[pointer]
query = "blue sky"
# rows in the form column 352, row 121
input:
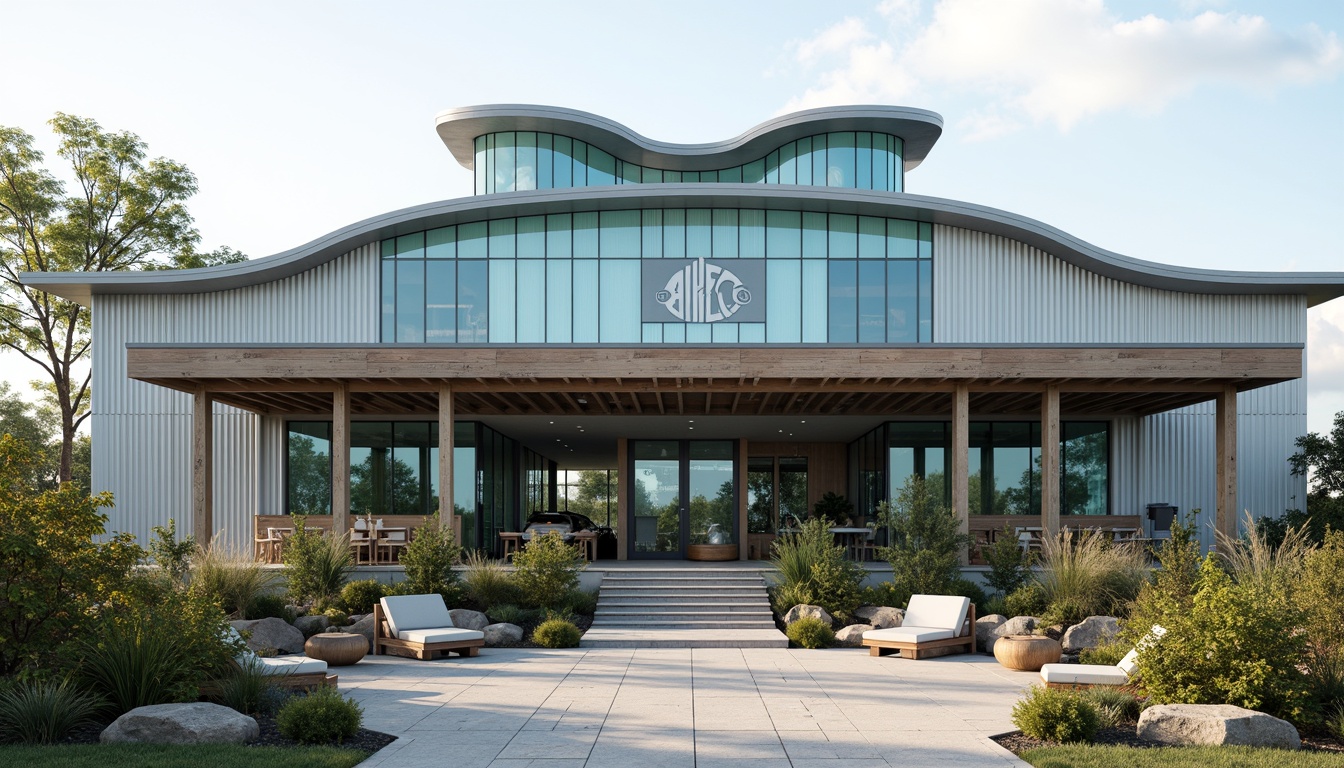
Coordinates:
column 1200, row 133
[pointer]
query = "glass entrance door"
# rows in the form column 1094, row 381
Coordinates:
column 682, row 492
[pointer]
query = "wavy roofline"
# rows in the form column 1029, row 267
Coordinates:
column 1318, row 287
column 459, row 127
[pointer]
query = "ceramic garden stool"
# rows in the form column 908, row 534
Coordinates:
column 1027, row 653
column 338, row 649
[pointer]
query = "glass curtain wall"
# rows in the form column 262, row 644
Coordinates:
column 576, row 278
column 512, row 161
column 308, row 468
column 776, row 492
column 592, row 493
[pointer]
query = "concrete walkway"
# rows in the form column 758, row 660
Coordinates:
column 686, row 708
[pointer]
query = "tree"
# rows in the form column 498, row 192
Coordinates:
column 1321, row 458
column 127, row 213
column 926, row 541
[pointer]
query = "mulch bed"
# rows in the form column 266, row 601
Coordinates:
column 364, row 739
column 1125, row 736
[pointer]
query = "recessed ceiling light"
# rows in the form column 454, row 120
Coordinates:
column 582, row 401
column 552, row 422
column 804, row 421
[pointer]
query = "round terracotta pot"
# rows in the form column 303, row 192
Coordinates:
column 338, row 649
column 1027, row 653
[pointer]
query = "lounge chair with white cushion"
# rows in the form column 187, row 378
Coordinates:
column 933, row 624
column 289, row 671
column 419, row 626
column 1076, row 676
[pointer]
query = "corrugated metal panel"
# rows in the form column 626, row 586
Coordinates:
column 1125, row 454
column 142, row 446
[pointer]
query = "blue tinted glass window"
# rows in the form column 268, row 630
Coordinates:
column 751, row 333
column 620, row 301
column 472, row 302
column 579, row 153
column 651, row 176
column 772, row 168
column 723, row 333
column 698, row 227
column 480, row 166
column 563, row 168
column 788, row 163
column 751, row 234
column 559, row 236
column 925, row 301
column 699, row 333
column 619, row 235
column 674, row 234
column 814, row 302
column 441, row 243
column 389, row 248
column 531, row 301
column 389, row 300
column 863, row 160
column 532, row 237
column 411, row 301
column 754, row 172
column 897, row 169
column 585, row 301
column 441, row 302
column 411, row 246
column 651, row 234
column 503, row 320
column 585, row 235
column 527, row 161
column 505, row 168
column 727, row 176
column 814, row 236
column 630, row 173
column 872, row 237
column 783, row 307
column 471, row 242
column 872, row 302
column 881, row 159
column 545, row 162
column 844, row 236
column 819, row 160
column 840, row 160
column 725, row 234
column 783, row 234
column 674, row 333
column 653, row 333
column 925, row 241
column 902, row 302
column 503, row 238
column 843, row 302
column 902, row 239
column 804, row 163
column 601, row 168
column 559, row 301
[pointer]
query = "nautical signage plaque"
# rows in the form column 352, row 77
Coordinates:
column 703, row 291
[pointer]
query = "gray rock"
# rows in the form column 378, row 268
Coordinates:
column 1215, row 724
column 363, row 627
column 1090, row 633
column 1018, row 625
column 852, row 635
column 197, row 723
column 271, row 636
column 465, row 619
column 311, row 625
column 502, row 634
column 880, row 616
column 985, row 631
column 807, row 611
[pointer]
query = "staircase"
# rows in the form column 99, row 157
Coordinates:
column 683, row 608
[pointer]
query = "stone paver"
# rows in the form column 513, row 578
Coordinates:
column 687, row 708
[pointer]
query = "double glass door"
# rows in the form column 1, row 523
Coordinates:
column 682, row 492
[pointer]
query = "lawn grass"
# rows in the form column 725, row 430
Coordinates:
column 195, row 756
column 1092, row 756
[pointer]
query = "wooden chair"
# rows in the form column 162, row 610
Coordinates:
column 511, row 542
column 933, row 626
column 587, row 542
column 419, row 626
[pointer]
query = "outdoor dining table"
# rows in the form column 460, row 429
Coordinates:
column 853, row 540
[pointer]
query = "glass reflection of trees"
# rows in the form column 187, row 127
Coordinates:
column 309, row 475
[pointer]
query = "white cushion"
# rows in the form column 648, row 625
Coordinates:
column 415, row 612
column 292, row 665
column 440, row 635
column 1130, row 664
column 906, row 634
column 1083, row 674
column 937, row 611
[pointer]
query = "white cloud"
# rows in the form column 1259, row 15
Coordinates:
column 1325, row 347
column 1058, row 61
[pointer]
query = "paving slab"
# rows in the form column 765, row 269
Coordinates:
column 687, row 708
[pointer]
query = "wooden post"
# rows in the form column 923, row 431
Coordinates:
column 446, row 442
column 742, row 544
column 961, row 475
column 202, row 467
column 623, row 481
column 1225, row 520
column 1050, row 461
column 340, row 458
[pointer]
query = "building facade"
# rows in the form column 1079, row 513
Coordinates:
column 735, row 328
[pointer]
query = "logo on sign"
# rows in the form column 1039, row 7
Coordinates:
column 703, row 293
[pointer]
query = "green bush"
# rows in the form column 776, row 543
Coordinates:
column 320, row 717
column 1009, row 565
column 268, row 605
column 1027, row 600
column 885, row 593
column 1319, row 594
column 1114, row 706
column 967, row 588
column 317, row 564
column 361, row 596
column 1334, row 723
column 487, row 582
column 248, row 689
column 52, row 565
column 926, row 540
column 557, row 633
column 810, row 568
column 810, row 633
column 428, row 561
column 171, row 555
column 336, row 617
column 1056, row 715
column 1108, row 654
column 1084, row 574
column 547, row 570
column 43, row 712
column 833, row 509
column 579, row 602
column 234, row 579
column 513, row 614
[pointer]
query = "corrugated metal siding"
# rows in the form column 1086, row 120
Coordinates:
column 142, row 445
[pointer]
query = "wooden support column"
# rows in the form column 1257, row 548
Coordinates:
column 743, row 549
column 340, row 458
column 202, row 467
column 623, row 479
column 1225, row 520
column 446, row 443
column 961, row 480
column 1050, row 461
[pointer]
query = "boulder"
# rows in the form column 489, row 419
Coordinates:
column 880, row 616
column 1215, row 724
column 1090, row 633
column 465, row 619
column 1018, row 625
column 311, row 625
column 271, row 636
column 807, row 611
column 852, row 635
column 364, row 626
column 196, row 723
column 502, row 634
column 985, row 634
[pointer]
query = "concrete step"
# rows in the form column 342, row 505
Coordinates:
column 684, row 583
column 712, row 624
column 685, row 605
column 724, row 609
column 727, row 596
column 757, row 614
column 683, row 638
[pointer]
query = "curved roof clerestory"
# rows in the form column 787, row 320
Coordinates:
column 459, row 127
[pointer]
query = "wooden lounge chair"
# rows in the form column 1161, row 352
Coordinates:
column 292, row 672
column 933, row 626
column 1079, row 676
column 419, row 626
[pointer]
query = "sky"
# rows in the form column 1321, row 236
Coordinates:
column 1207, row 134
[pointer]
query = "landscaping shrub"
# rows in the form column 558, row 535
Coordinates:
column 336, row 617
column 173, row 556
column 1027, row 600
column 926, row 540
column 1114, row 706
column 248, row 689
column 43, row 712
column 361, row 596
column 1009, row 565
column 320, row 717
column 557, row 633
column 1056, row 715
column 810, row 633
column 513, row 614
column 967, row 588
column 1319, row 595
column 885, row 593
column 812, row 569
column 580, row 602
column 488, row 582
column 52, row 568
column 1107, row 653
column 547, row 570
column 428, row 561
column 316, row 564
column 269, row 606
column 1084, row 574
column 1171, row 591
column 833, row 509
column 234, row 579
